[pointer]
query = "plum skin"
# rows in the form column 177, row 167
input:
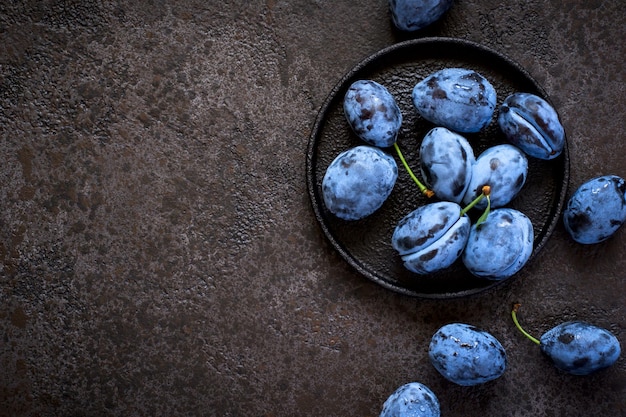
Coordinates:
column 358, row 181
column 500, row 246
column 459, row 99
column 596, row 210
column 580, row 348
column 431, row 237
column 413, row 15
column 372, row 113
column 466, row 355
column 413, row 399
column 446, row 162
column 504, row 168
column 532, row 124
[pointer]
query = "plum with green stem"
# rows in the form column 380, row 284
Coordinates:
column 500, row 246
column 432, row 237
column 446, row 163
column 576, row 347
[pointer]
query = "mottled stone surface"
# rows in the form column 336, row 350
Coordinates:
column 158, row 252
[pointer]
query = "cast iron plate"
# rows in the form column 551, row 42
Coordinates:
column 365, row 244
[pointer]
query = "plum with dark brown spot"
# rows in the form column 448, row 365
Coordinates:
column 459, row 99
column 372, row 113
column 576, row 347
column 596, row 210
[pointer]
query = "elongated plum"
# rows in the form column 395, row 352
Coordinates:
column 457, row 98
column 580, row 348
column 596, row 210
column 532, row 124
column 500, row 246
column 504, row 168
column 431, row 237
column 372, row 113
column 446, row 163
column 358, row 181
column 466, row 355
column 413, row 15
column 575, row 347
column 411, row 400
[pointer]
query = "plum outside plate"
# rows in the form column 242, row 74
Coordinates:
column 366, row 244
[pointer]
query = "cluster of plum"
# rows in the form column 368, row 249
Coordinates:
column 432, row 237
column 469, row 356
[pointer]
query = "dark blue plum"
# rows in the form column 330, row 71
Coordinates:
column 413, row 15
column 500, row 246
column 431, row 237
column 580, row 348
column 596, row 210
column 504, row 168
column 446, row 163
column 372, row 113
column 358, row 181
column 466, row 355
column 457, row 98
column 411, row 400
column 531, row 123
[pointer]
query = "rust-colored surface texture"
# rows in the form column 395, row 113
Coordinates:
column 159, row 254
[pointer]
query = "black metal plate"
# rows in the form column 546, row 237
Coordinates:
column 366, row 244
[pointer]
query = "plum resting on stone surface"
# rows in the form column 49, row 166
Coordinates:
column 457, row 98
column 412, row 15
column 411, row 400
column 580, row 348
column 504, row 168
column 596, row 209
column 576, row 347
column 358, row 181
column 446, row 163
column 500, row 246
column 466, row 355
column 531, row 123
column 372, row 113
column 431, row 237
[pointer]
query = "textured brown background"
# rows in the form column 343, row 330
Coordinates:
column 159, row 255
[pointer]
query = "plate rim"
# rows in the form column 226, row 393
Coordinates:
column 314, row 196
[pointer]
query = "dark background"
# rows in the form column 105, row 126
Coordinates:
column 159, row 254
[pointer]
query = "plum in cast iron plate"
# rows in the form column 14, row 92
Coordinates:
column 366, row 244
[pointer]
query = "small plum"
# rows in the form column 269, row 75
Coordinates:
column 446, row 162
column 372, row 113
column 576, row 347
column 413, row 399
column 431, row 237
column 500, row 246
column 466, row 355
column 504, row 168
column 358, row 181
column 457, row 98
column 413, row 15
column 596, row 210
column 532, row 124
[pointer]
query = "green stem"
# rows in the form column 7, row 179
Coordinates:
column 422, row 187
column 514, row 315
column 472, row 204
column 483, row 216
column 486, row 191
